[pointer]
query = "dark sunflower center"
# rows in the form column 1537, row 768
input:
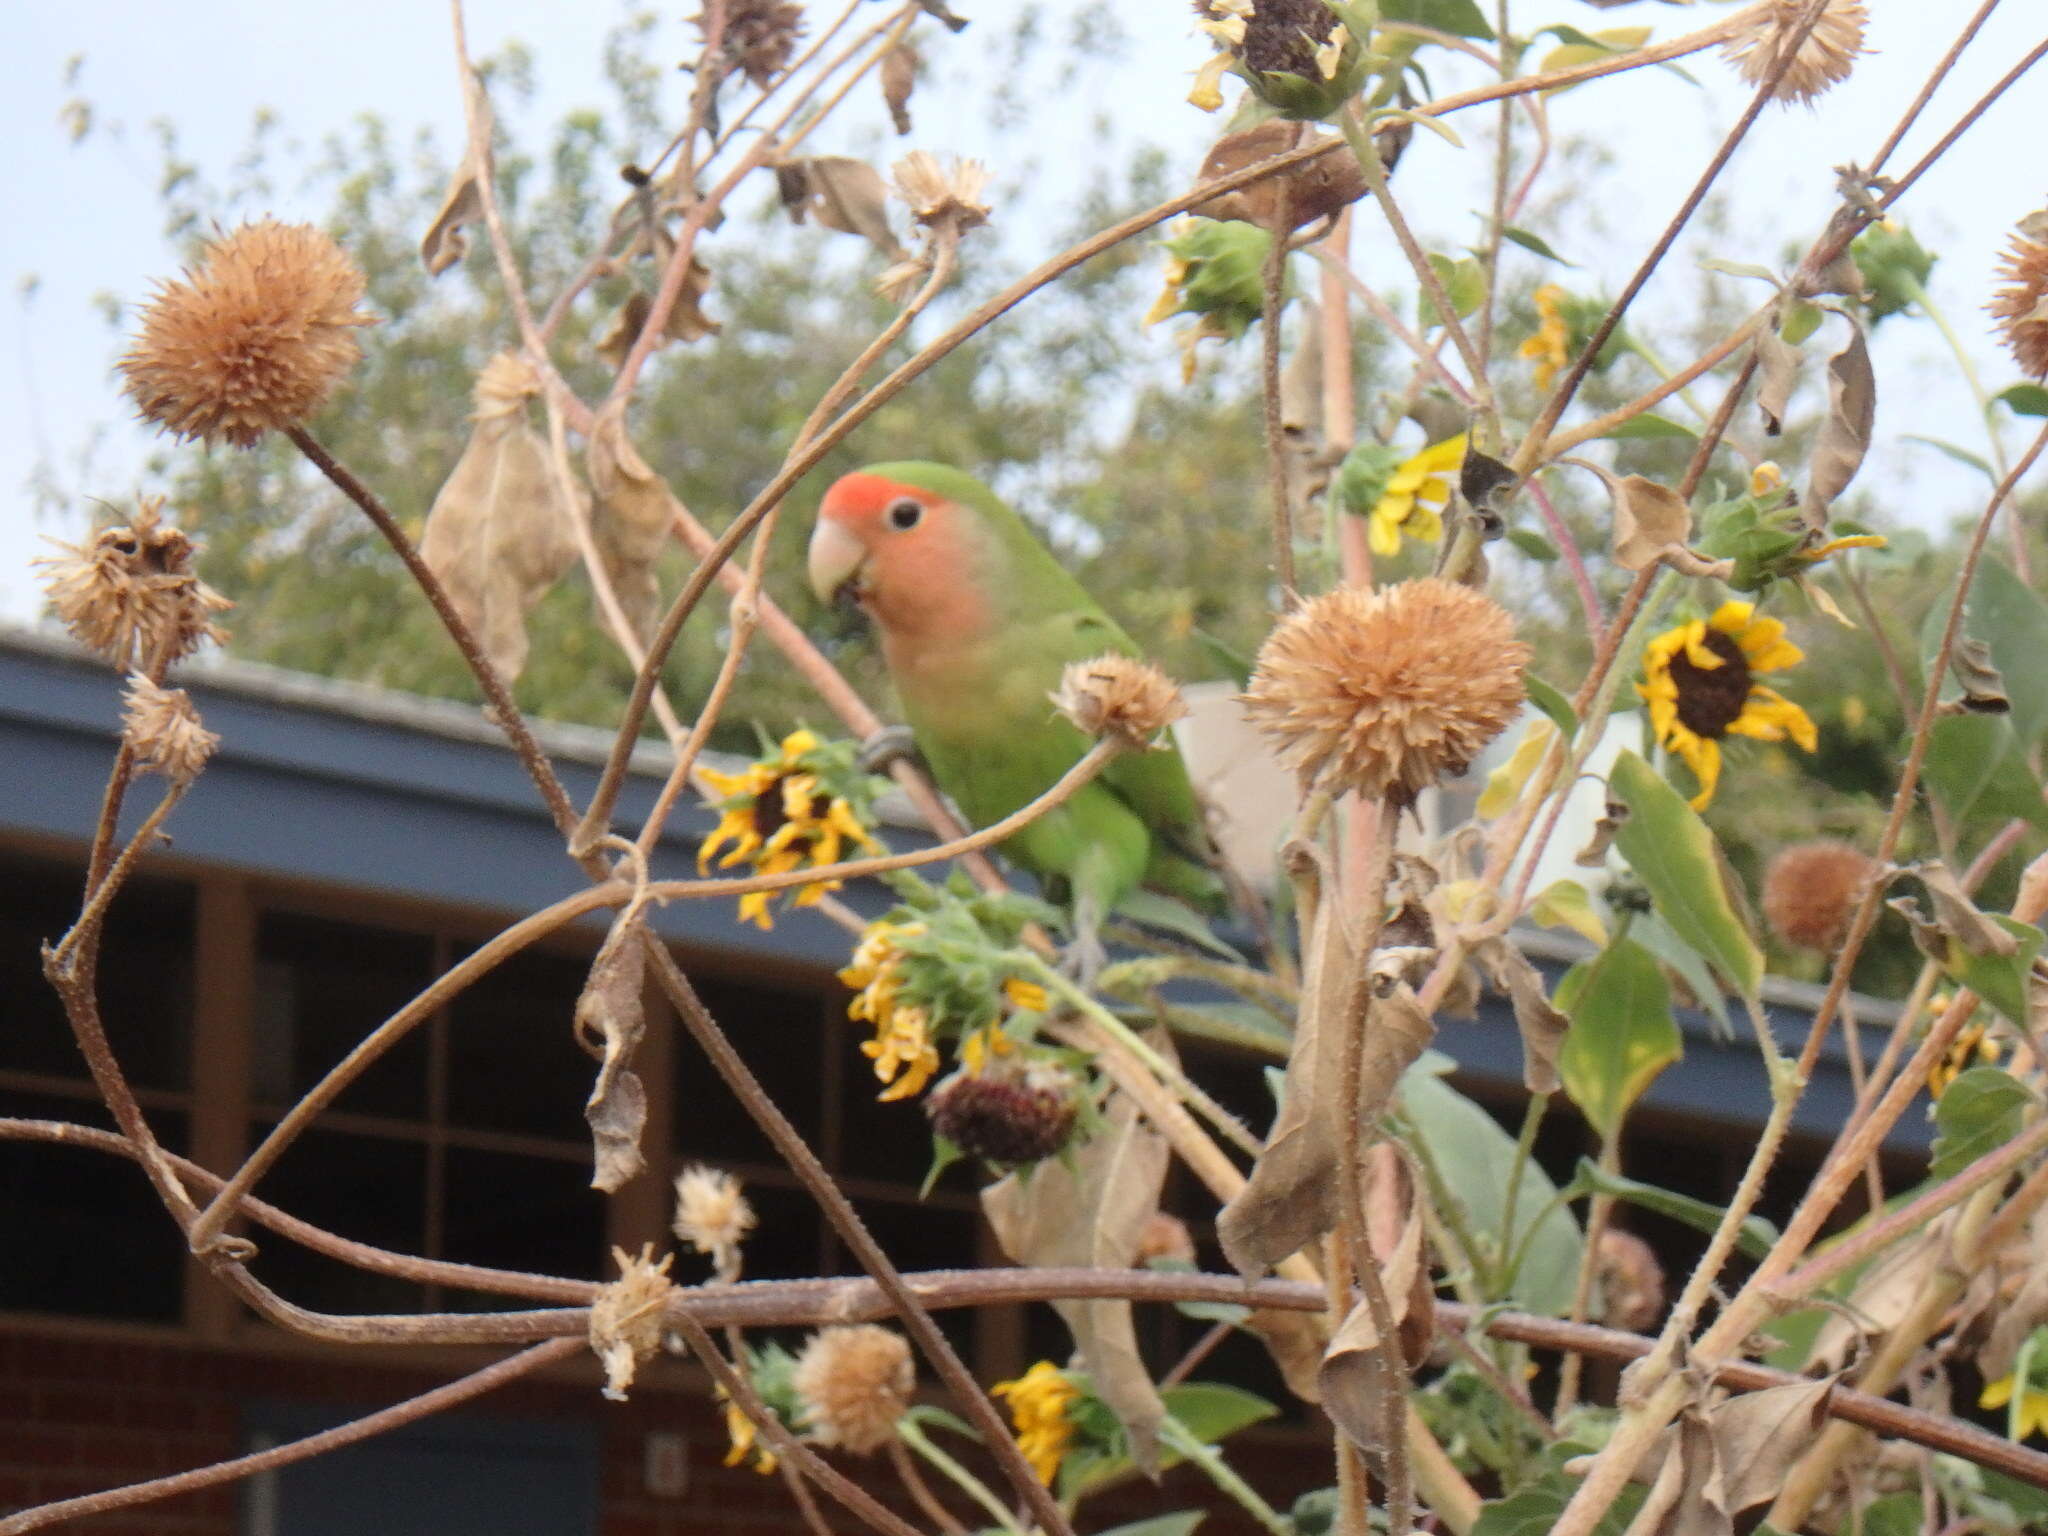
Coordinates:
column 1711, row 701
column 1281, row 37
column 769, row 816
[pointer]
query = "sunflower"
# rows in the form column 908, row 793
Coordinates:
column 1549, row 347
column 1039, row 1400
column 2029, row 1416
column 1415, row 497
column 739, row 1429
column 1972, row 1047
column 903, row 1045
column 1700, row 683
column 780, row 815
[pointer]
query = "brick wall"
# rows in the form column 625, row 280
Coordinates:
column 80, row 1413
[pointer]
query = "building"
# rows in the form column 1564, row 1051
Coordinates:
column 344, row 847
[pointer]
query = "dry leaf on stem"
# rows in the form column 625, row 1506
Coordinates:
column 498, row 535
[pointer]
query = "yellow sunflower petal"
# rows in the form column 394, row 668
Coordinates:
column 1996, row 1394
column 1703, row 757
column 796, row 744
column 1424, row 525
column 1383, row 531
column 1732, row 617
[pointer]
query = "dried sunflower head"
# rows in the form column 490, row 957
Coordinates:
column 1810, row 889
column 760, row 37
column 854, row 1383
column 1823, row 60
column 2021, row 306
column 712, row 1216
column 1386, row 692
column 163, row 729
column 129, row 592
column 254, row 340
column 1120, row 697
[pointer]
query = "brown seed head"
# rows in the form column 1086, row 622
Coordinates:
column 760, row 36
column 1009, row 1113
column 2021, row 306
column 1824, row 59
column 1117, row 696
column 1811, row 888
column 625, row 1317
column 130, row 594
column 163, row 729
column 1385, row 692
column 1631, row 1281
column 938, row 194
column 712, row 1216
column 254, row 340
column 854, row 1383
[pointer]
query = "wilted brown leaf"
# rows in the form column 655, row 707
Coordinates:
column 1845, row 435
column 1352, row 1377
column 686, row 321
column 499, row 534
column 1889, row 1289
column 1297, row 1342
column 845, row 194
column 610, row 1020
column 1955, row 916
column 1313, row 190
column 1777, row 362
column 635, row 511
column 444, row 243
column 1542, row 1026
column 899, row 79
column 1288, row 1202
column 1091, row 1211
column 1714, row 1464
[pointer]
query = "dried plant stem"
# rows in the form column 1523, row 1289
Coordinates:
column 383, row 1261
column 1529, row 455
column 857, row 1500
column 913, row 1435
column 1367, row 153
column 917, row 1321
column 1574, row 561
column 920, row 1492
column 1075, row 777
column 104, row 891
column 470, row 1387
column 505, row 714
column 1582, row 1291
column 1963, row 124
column 1273, row 280
column 1115, row 1029
column 1811, row 1475
column 1933, row 83
column 205, row 1230
column 1383, row 314
column 1564, row 442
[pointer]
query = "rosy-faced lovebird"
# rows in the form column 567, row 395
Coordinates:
column 978, row 621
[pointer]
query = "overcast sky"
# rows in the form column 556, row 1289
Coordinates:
column 83, row 223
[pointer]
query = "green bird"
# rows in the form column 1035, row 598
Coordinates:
column 977, row 622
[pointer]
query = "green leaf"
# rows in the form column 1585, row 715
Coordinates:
column 2012, row 618
column 1532, row 544
column 1551, row 700
column 1460, row 18
column 1975, row 767
column 1801, row 321
column 2024, row 399
column 1981, row 1111
column 1175, row 917
column 1673, row 853
column 2001, row 980
column 1565, row 904
column 1179, row 1523
column 1960, row 455
column 1535, row 243
column 1464, row 284
column 1896, row 1514
column 1209, row 1410
column 1474, row 1156
column 1232, row 662
column 1754, row 1239
column 1650, row 427
column 1622, row 1032
column 1201, row 1311
column 1687, row 964
column 942, row 1418
column 1739, row 269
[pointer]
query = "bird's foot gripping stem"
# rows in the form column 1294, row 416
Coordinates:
column 886, row 746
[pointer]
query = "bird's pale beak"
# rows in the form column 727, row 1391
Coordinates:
column 835, row 559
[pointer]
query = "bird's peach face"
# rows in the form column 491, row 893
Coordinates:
column 872, row 537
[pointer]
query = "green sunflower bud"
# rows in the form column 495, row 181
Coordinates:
column 1894, row 267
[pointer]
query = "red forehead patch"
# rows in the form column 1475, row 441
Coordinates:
column 860, row 495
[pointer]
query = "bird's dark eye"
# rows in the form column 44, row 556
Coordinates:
column 905, row 513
